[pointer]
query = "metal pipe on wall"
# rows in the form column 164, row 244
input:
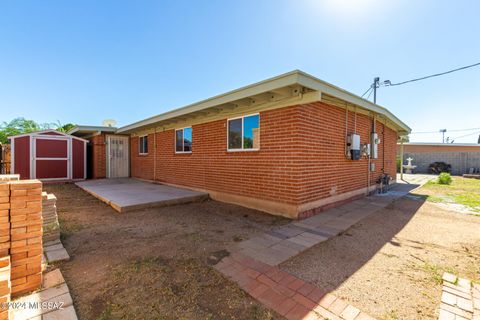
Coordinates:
column 154, row 153
column 346, row 130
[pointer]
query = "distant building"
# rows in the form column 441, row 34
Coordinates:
column 461, row 156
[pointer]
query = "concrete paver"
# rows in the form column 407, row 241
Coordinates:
column 57, row 255
column 63, row 314
column 53, row 301
column 458, row 299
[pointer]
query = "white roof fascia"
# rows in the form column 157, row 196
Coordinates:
column 244, row 92
column 437, row 144
column 295, row 77
column 91, row 128
column 309, row 81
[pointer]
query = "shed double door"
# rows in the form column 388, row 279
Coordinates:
column 51, row 158
column 117, row 156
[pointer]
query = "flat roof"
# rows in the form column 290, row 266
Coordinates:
column 289, row 79
column 82, row 129
column 436, row 144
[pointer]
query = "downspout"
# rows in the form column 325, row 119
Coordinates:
column 401, row 159
column 355, row 122
column 154, row 153
column 383, row 142
column 370, row 155
column 346, row 130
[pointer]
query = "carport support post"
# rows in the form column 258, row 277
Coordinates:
column 401, row 159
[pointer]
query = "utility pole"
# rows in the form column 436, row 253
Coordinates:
column 376, row 80
column 443, row 134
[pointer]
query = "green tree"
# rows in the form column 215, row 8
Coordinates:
column 21, row 125
column 17, row 126
column 64, row 127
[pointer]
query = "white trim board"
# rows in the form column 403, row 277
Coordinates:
column 287, row 80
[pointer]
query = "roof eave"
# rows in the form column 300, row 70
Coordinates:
column 91, row 128
column 295, row 77
column 284, row 80
column 310, row 81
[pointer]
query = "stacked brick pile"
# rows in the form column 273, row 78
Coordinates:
column 26, row 235
column 5, row 285
column 51, row 227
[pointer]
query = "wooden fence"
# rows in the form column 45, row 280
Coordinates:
column 5, row 159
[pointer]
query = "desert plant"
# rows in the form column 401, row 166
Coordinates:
column 399, row 163
column 439, row 167
column 444, row 178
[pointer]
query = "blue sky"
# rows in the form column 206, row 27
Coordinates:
column 86, row 61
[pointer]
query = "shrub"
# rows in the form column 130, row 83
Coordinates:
column 399, row 164
column 444, row 178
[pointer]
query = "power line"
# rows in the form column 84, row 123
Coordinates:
column 388, row 83
column 467, row 135
column 454, row 130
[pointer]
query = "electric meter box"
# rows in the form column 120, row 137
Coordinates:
column 374, row 145
column 353, row 144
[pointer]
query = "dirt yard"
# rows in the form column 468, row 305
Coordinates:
column 154, row 264
column 390, row 264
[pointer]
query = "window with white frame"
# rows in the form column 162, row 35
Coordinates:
column 143, row 145
column 244, row 133
column 183, row 140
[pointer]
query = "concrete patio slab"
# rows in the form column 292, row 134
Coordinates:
column 127, row 194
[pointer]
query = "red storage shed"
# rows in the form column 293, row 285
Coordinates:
column 49, row 155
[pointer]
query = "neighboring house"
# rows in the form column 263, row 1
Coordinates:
column 48, row 155
column 279, row 145
column 461, row 156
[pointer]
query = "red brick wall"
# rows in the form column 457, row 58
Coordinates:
column 142, row 165
column 325, row 169
column 301, row 157
column 267, row 174
column 99, row 156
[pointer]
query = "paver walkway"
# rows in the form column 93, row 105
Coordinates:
column 253, row 262
column 416, row 178
column 288, row 295
column 281, row 244
column 52, row 302
column 460, row 299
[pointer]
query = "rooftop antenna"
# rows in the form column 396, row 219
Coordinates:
column 109, row 123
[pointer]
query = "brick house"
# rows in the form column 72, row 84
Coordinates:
column 280, row 145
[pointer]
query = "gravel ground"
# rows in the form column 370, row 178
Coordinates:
column 390, row 264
